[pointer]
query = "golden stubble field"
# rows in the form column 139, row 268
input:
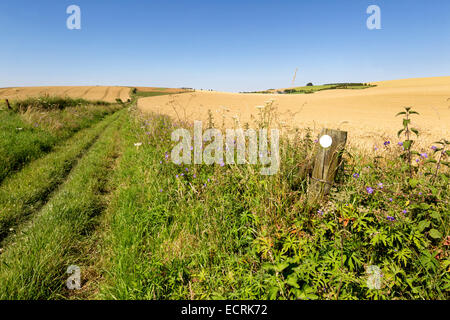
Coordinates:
column 104, row 93
column 368, row 114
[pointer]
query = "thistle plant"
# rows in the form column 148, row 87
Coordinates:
column 407, row 131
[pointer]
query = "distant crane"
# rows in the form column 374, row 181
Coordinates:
column 295, row 76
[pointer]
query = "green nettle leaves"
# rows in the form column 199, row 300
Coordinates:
column 406, row 131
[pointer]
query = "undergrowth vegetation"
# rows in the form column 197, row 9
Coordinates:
column 226, row 232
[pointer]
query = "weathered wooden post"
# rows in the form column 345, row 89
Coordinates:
column 7, row 104
column 326, row 163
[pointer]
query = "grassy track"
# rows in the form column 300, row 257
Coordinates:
column 172, row 238
column 42, row 125
column 50, row 241
column 26, row 191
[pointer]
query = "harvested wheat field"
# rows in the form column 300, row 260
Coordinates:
column 367, row 114
column 104, row 93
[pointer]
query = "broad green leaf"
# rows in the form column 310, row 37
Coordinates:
column 435, row 234
column 423, row 225
column 435, row 215
column 281, row 266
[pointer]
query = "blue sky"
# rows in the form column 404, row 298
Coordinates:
column 223, row 45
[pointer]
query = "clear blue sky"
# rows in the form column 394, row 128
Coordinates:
column 232, row 45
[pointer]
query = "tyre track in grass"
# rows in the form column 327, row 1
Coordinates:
column 34, row 265
column 27, row 191
column 91, row 248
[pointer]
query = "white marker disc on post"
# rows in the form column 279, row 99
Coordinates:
column 325, row 141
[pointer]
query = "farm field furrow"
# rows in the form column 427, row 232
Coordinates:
column 50, row 240
column 105, row 93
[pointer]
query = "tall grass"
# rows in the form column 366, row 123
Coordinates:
column 226, row 232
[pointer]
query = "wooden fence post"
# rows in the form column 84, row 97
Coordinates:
column 7, row 104
column 326, row 163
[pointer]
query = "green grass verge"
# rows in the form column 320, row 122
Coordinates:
column 141, row 94
column 48, row 102
column 34, row 266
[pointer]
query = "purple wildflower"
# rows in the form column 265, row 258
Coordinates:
column 356, row 175
column 386, row 143
column 424, row 155
column 390, row 218
column 390, row 199
column 369, row 190
column 320, row 212
column 405, row 211
column 400, row 144
column 380, row 185
column 433, row 148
